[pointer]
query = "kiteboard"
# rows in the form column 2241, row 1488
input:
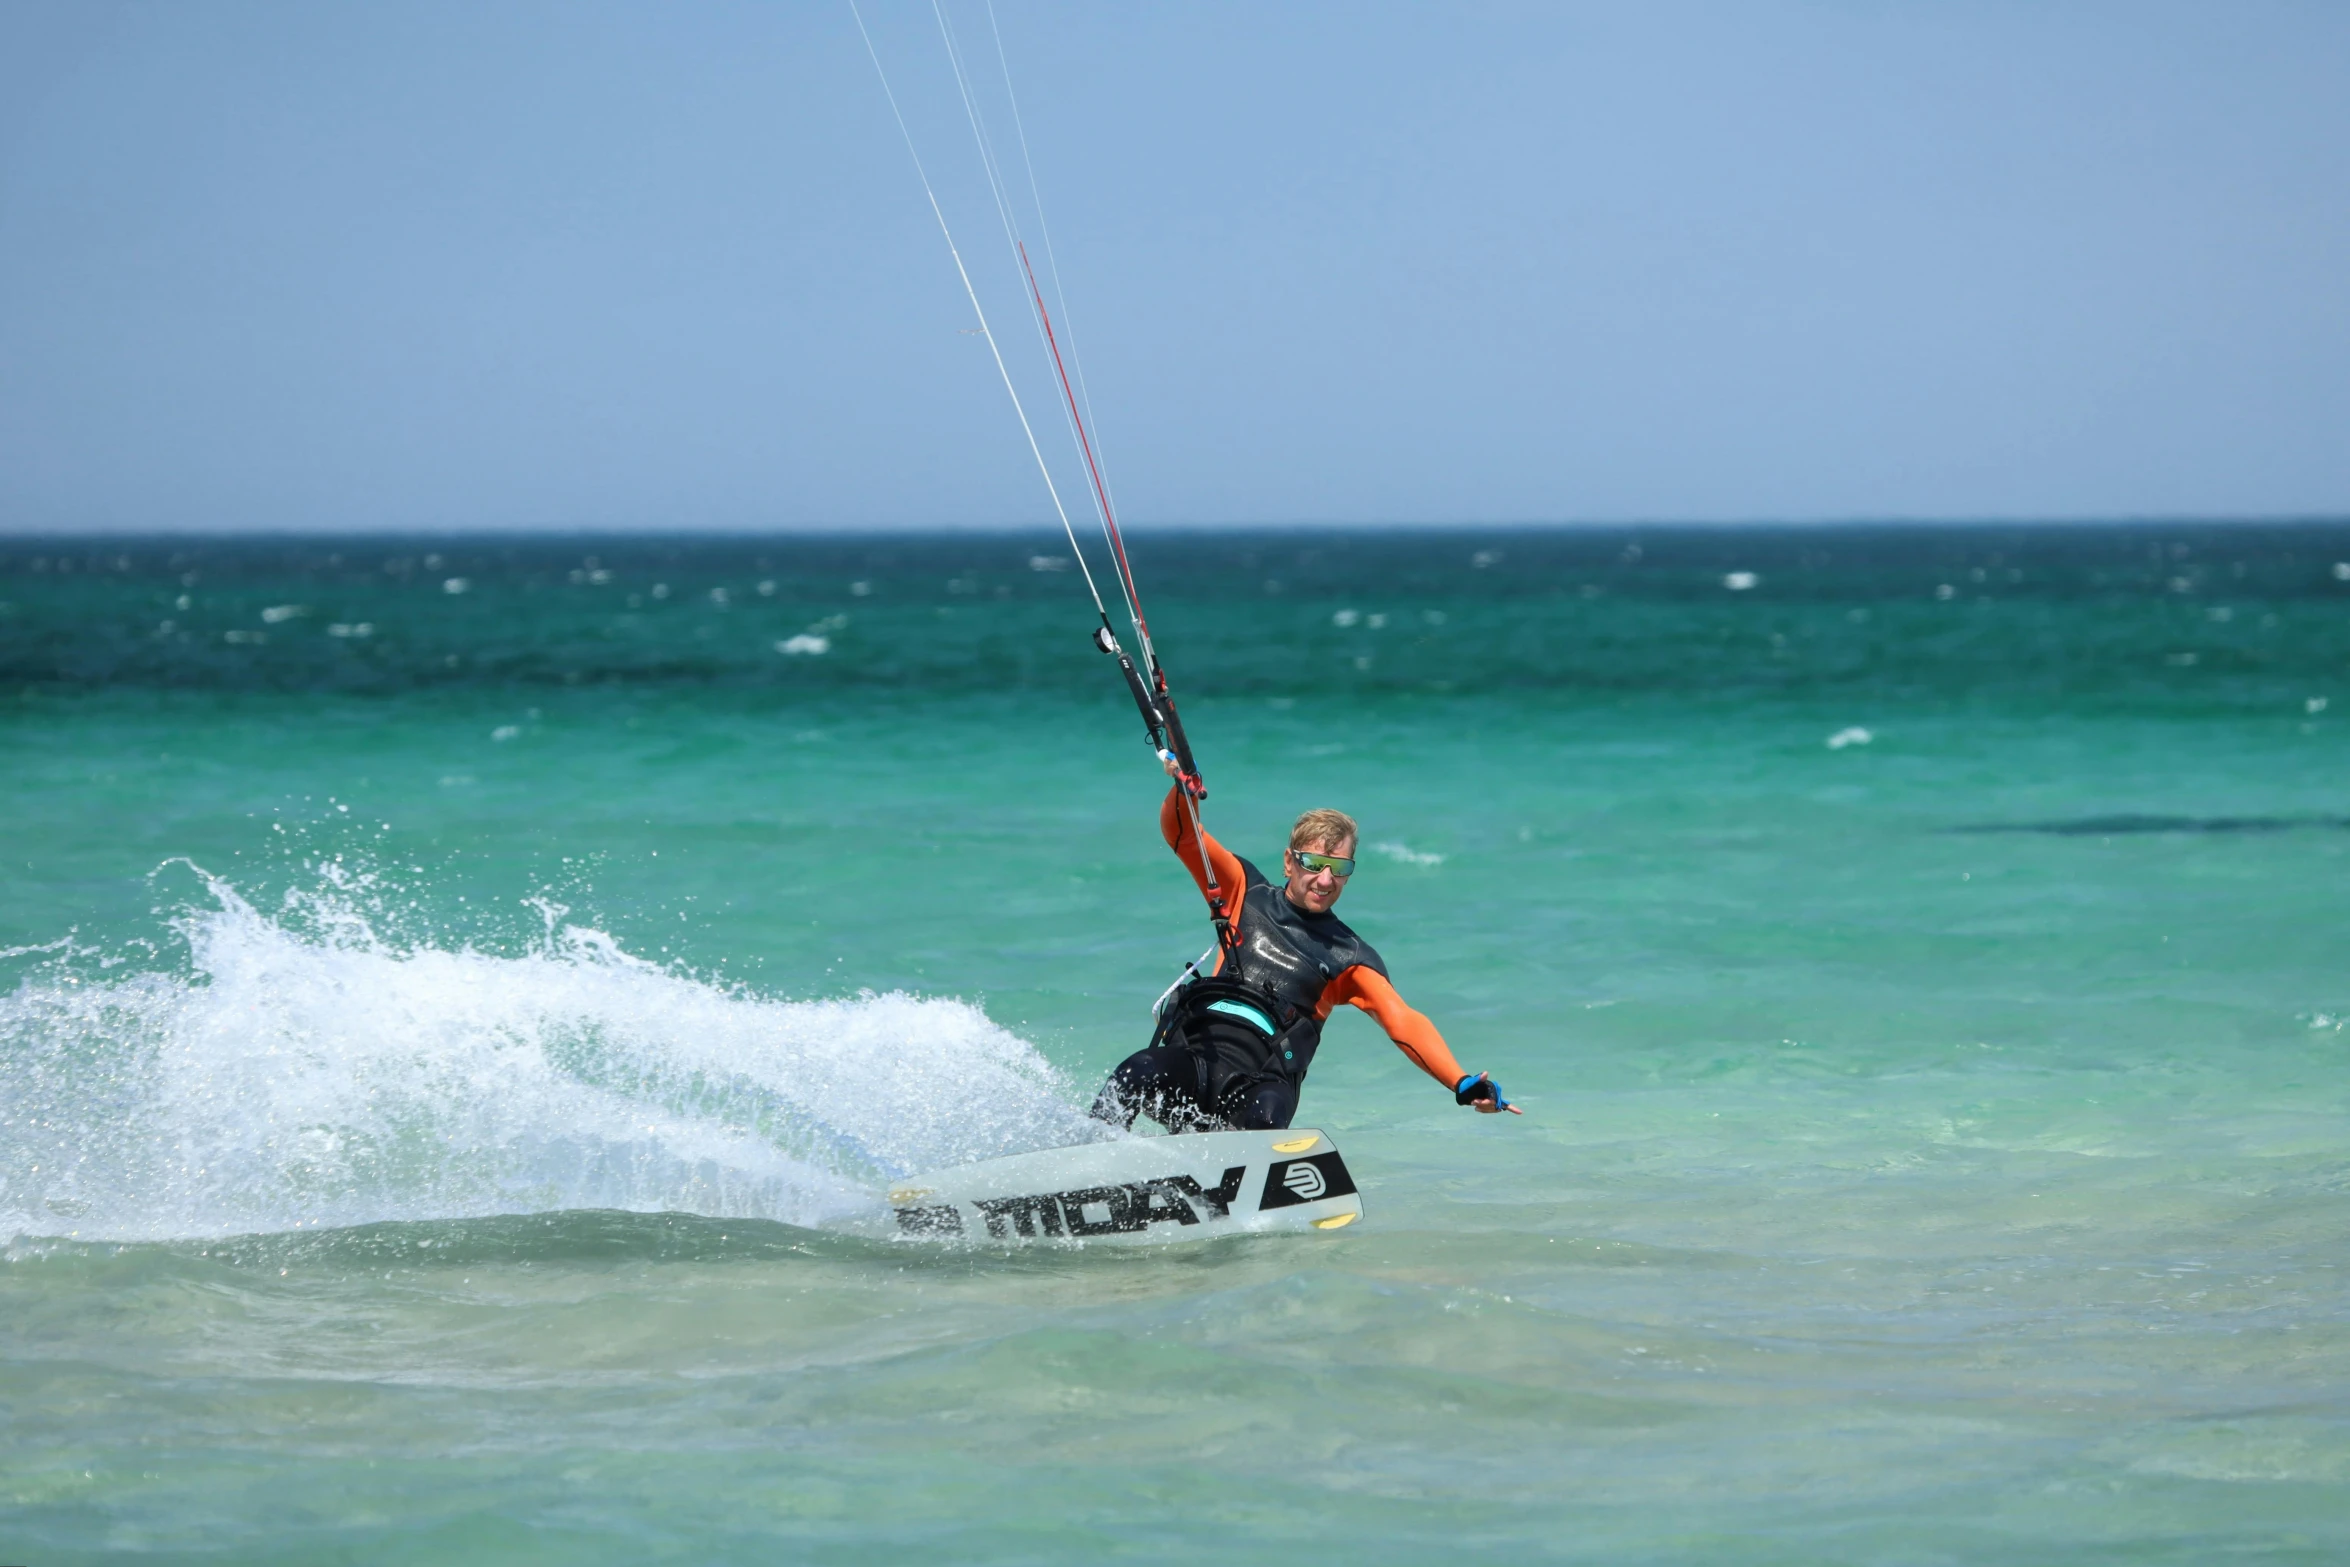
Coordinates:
column 1136, row 1190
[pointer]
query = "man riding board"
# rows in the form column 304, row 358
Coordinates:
column 1232, row 1047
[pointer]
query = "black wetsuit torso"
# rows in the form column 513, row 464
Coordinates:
column 1234, row 1047
column 1288, row 957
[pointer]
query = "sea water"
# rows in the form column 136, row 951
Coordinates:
column 457, row 992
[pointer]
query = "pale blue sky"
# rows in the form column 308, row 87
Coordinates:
column 455, row 266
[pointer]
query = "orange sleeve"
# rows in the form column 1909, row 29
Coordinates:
column 1175, row 826
column 1413, row 1034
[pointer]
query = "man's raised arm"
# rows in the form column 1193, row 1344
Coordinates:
column 1175, row 826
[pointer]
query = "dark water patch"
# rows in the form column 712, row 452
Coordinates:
column 2227, row 615
column 1941, row 561
column 2121, row 826
column 566, row 1238
column 589, row 1238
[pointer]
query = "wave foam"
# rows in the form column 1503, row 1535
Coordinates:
column 308, row 1072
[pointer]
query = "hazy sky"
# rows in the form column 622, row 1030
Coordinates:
column 422, row 265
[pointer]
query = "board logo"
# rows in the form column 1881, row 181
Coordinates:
column 946, row 1220
column 1294, row 1181
column 1093, row 1210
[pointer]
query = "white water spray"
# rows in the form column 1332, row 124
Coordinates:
column 307, row 1072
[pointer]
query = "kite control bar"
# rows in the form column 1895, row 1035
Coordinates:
column 1165, row 732
column 1159, row 722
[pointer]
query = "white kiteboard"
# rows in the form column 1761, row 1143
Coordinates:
column 1136, row 1190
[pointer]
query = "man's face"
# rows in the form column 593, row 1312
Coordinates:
column 1315, row 891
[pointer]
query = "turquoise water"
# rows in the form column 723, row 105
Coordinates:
column 433, row 1059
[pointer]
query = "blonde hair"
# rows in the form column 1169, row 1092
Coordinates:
column 1323, row 829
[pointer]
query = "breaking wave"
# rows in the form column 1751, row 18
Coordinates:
column 306, row 1071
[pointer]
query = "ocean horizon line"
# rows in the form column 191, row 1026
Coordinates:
column 25, row 537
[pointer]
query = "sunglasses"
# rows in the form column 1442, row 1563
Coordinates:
column 1339, row 865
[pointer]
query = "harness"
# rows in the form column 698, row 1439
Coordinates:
column 1240, row 1032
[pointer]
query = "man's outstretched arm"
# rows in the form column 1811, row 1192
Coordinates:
column 1413, row 1034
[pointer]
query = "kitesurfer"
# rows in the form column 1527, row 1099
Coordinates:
column 1232, row 1046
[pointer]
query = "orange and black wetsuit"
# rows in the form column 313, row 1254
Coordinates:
column 1234, row 1049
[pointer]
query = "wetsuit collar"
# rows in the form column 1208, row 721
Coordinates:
column 1300, row 909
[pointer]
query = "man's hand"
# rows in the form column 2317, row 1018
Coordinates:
column 1188, row 782
column 1482, row 1094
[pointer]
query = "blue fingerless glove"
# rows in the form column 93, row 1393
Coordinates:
column 1478, row 1086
